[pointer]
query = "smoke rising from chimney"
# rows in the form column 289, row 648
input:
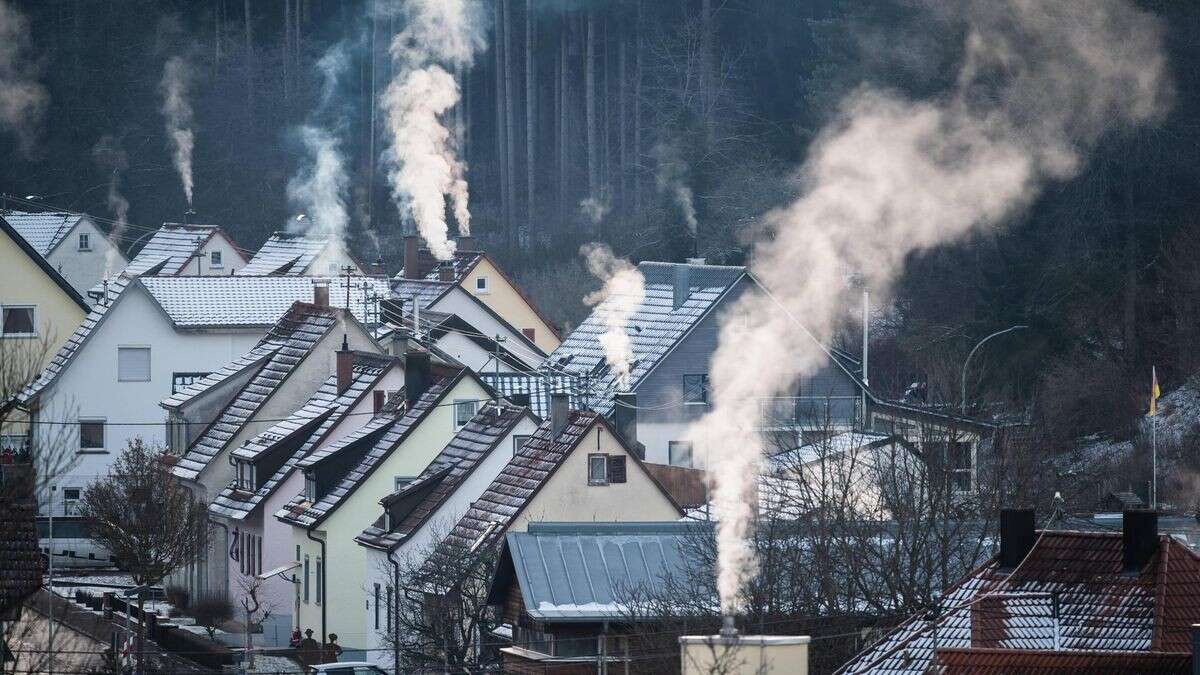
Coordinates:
column 594, row 209
column 424, row 167
column 670, row 180
column 623, row 291
column 177, row 109
column 111, row 157
column 22, row 98
column 1039, row 84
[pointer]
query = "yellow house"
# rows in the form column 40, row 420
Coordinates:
column 39, row 310
column 481, row 278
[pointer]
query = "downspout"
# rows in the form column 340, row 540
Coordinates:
column 395, row 608
column 224, row 558
column 324, row 577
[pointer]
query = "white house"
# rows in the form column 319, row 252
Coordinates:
column 151, row 337
column 72, row 243
column 187, row 250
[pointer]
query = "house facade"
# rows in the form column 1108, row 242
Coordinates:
column 71, row 243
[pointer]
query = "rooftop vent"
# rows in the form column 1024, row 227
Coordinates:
column 682, row 287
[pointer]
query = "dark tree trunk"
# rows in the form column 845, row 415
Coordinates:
column 531, row 111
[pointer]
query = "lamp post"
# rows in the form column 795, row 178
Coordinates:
column 962, row 398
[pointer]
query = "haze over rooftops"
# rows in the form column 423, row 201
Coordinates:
column 43, row 230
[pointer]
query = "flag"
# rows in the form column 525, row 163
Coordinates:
column 1154, row 392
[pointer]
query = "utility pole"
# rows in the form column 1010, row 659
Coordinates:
column 347, row 269
column 499, row 339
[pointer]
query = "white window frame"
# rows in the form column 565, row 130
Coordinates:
column 703, row 392
column 691, row 450
column 103, row 422
column 603, row 480
column 400, row 481
column 149, row 363
column 485, row 288
column 33, row 321
column 245, row 475
column 310, row 487
column 463, row 402
column 84, row 241
column 216, row 260
column 306, row 576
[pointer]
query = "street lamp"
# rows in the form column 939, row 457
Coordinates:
column 962, row 398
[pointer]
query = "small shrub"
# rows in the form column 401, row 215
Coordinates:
column 178, row 596
column 210, row 611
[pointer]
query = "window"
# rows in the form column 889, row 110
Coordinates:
column 71, row 501
column 306, row 580
column 597, row 469
column 376, row 606
column 463, row 412
column 214, row 259
column 91, row 434
column 85, row 241
column 481, row 285
column 387, row 522
column 959, row 458
column 310, row 487
column 680, row 453
column 320, row 583
column 377, row 399
column 519, row 443
column 400, row 481
column 133, row 364
column 616, row 468
column 18, row 321
column 529, row 333
column 695, row 389
column 246, row 476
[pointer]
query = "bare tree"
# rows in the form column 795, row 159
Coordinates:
column 144, row 517
column 254, row 610
column 210, row 611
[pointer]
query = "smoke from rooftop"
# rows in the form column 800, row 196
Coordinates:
column 623, row 291
column 177, row 111
column 22, row 98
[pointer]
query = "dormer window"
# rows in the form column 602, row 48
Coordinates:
column 310, row 487
column 245, row 476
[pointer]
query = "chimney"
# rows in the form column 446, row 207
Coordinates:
column 682, row 287
column 467, row 243
column 399, row 345
column 446, row 271
column 560, row 409
column 760, row 654
column 520, row 399
column 417, row 375
column 1017, row 536
column 1139, row 539
column 377, row 267
column 412, row 257
column 321, row 292
column 344, row 366
column 625, row 420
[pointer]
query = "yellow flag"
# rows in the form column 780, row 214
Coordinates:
column 1154, row 392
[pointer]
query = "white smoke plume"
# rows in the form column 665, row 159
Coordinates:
column 424, row 167
column 177, row 109
column 623, row 291
column 110, row 156
column 594, row 209
column 670, row 179
column 22, row 98
column 1040, row 82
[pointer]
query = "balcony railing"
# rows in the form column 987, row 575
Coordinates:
column 809, row 412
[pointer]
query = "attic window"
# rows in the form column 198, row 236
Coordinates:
column 310, row 487
column 597, row 469
column 214, row 259
column 246, row 476
column 487, row 531
column 481, row 285
column 85, row 241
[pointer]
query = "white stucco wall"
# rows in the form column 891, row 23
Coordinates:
column 458, row 302
column 84, row 269
column 201, row 265
column 89, row 389
column 346, row 560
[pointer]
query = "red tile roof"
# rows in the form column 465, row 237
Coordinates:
column 1032, row 662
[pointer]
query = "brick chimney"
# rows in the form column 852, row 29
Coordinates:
column 467, row 243
column 412, row 257
column 560, row 410
column 446, row 271
column 418, row 375
column 344, row 366
column 321, row 292
column 625, row 420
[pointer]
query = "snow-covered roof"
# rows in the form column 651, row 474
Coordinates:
column 287, row 254
column 170, row 249
column 43, row 230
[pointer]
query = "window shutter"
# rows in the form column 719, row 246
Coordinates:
column 616, row 468
column 133, row 364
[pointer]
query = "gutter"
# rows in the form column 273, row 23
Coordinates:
column 324, row 576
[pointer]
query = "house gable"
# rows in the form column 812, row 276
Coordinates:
column 504, row 297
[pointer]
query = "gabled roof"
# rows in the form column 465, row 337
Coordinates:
column 171, row 247
column 520, row 481
column 436, row 325
column 423, row 291
column 655, row 327
column 246, row 301
column 538, row 385
column 384, row 433
column 1101, row 608
column 296, row 334
column 288, row 254
column 475, row 441
column 43, row 230
column 41, row 262
column 315, row 419
column 251, row 360
column 593, row 571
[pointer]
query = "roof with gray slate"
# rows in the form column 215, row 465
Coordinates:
column 475, row 441
column 592, row 571
column 538, row 385
column 315, row 419
column 286, row 254
column 383, row 434
column 423, row 291
column 44, row 230
column 252, row 359
column 654, row 328
column 243, row 301
column 171, row 248
column 296, row 334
